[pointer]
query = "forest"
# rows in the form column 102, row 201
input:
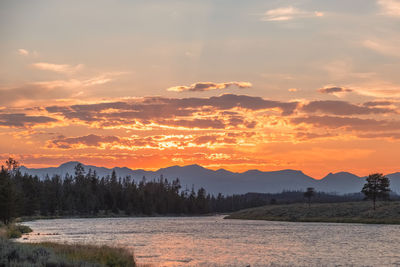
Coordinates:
column 86, row 194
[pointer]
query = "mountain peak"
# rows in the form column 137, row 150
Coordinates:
column 340, row 175
column 69, row 163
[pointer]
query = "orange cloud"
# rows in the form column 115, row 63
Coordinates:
column 23, row 52
column 342, row 108
column 51, row 91
column 334, row 90
column 207, row 86
column 390, row 7
column 23, row 120
column 235, row 131
column 289, row 13
column 159, row 142
column 174, row 112
column 349, row 123
column 377, row 88
column 383, row 46
column 60, row 68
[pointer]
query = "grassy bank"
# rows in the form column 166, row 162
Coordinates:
column 52, row 254
column 13, row 231
column 35, row 218
column 346, row 212
column 103, row 255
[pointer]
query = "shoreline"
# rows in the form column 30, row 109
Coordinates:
column 16, row 253
column 276, row 206
column 35, row 218
column 346, row 212
column 317, row 220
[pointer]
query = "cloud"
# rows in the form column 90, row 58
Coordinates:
column 50, row 90
column 195, row 123
column 141, row 142
column 90, row 140
column 60, row 68
column 377, row 103
column 349, row 123
column 333, row 90
column 75, row 83
column 311, row 136
column 175, row 112
column 288, row 13
column 102, row 142
column 207, row 86
column 29, row 92
column 383, row 47
column 206, row 139
column 342, row 108
column 390, row 7
column 377, row 88
column 23, row 52
column 392, row 136
column 23, row 120
column 343, row 69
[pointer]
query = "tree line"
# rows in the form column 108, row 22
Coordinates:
column 86, row 194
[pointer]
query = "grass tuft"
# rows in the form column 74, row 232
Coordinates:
column 14, row 231
column 104, row 255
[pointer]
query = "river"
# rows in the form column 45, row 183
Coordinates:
column 213, row 241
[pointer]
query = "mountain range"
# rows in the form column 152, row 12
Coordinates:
column 226, row 182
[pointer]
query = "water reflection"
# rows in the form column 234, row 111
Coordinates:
column 212, row 241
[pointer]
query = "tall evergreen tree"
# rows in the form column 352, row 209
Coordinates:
column 7, row 197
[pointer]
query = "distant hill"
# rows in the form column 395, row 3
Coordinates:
column 228, row 182
column 341, row 182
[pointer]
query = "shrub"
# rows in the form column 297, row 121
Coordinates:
column 16, row 231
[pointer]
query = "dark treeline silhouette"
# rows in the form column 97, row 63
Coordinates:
column 86, row 194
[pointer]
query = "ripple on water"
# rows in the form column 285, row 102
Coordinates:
column 212, row 241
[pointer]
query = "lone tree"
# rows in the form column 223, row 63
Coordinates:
column 309, row 194
column 376, row 187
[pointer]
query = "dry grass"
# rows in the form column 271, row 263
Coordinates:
column 347, row 212
column 52, row 254
column 62, row 255
column 3, row 232
column 104, row 255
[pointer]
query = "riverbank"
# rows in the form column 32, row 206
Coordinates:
column 112, row 215
column 52, row 254
column 346, row 212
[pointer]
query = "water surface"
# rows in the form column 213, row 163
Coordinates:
column 213, row 241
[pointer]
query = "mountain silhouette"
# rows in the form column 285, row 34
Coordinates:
column 227, row 182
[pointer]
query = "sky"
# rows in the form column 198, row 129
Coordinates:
column 311, row 85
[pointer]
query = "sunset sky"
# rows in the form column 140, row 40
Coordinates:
column 311, row 85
